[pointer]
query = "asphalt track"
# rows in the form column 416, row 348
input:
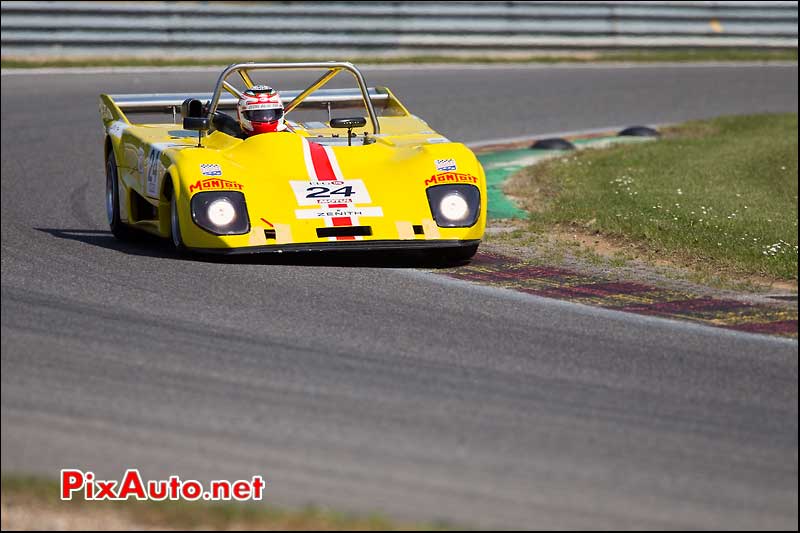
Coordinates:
column 378, row 387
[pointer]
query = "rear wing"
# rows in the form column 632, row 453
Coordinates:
column 226, row 95
column 166, row 102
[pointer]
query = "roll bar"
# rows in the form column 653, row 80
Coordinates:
column 334, row 67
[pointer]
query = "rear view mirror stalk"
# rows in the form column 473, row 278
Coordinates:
column 349, row 124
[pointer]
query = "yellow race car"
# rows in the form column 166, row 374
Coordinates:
column 384, row 181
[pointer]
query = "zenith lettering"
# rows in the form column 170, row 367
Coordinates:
column 340, row 213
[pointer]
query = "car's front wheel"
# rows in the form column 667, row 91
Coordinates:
column 118, row 228
column 175, row 224
column 453, row 256
column 458, row 255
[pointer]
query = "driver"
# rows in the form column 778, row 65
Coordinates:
column 260, row 110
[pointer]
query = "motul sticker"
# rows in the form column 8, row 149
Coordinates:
column 330, row 192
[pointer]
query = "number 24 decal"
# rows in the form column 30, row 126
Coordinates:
column 321, row 192
column 326, row 192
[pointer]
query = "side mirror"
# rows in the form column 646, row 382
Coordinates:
column 195, row 118
column 193, row 115
column 349, row 123
column 196, row 123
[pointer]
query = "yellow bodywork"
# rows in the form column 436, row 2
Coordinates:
column 158, row 161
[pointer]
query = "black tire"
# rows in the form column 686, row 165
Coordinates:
column 175, row 224
column 118, row 228
column 639, row 131
column 450, row 256
column 555, row 143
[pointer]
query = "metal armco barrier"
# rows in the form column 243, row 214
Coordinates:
column 320, row 29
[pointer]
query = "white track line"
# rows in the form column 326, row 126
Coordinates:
column 586, row 309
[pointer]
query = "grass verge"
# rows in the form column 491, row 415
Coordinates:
column 646, row 56
column 33, row 503
column 718, row 196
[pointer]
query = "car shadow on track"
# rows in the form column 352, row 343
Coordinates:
column 150, row 246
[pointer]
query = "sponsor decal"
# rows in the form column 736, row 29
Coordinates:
column 148, row 165
column 214, row 184
column 116, row 128
column 339, row 212
column 445, row 165
column 138, row 153
column 268, row 99
column 262, row 93
column 210, row 169
column 437, row 140
column 256, row 107
column 154, row 170
column 450, row 177
column 330, row 192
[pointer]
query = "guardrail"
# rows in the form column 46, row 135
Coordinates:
column 322, row 29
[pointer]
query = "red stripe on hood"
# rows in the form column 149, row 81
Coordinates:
column 324, row 170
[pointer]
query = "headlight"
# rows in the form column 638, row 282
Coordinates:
column 221, row 212
column 454, row 206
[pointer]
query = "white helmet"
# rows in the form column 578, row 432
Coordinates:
column 260, row 110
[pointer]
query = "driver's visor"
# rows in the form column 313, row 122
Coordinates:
column 264, row 115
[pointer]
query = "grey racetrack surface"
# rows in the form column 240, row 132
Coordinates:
column 378, row 387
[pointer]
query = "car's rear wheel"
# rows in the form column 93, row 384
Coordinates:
column 118, row 228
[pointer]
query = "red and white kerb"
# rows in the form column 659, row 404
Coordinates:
column 321, row 165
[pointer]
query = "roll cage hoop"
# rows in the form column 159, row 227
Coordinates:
column 333, row 68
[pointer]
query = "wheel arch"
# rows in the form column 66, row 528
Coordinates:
column 167, row 187
column 108, row 146
column 112, row 144
column 165, row 197
column 170, row 183
column 170, row 187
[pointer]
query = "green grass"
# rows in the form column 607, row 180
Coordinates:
column 688, row 55
column 718, row 195
column 36, row 495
